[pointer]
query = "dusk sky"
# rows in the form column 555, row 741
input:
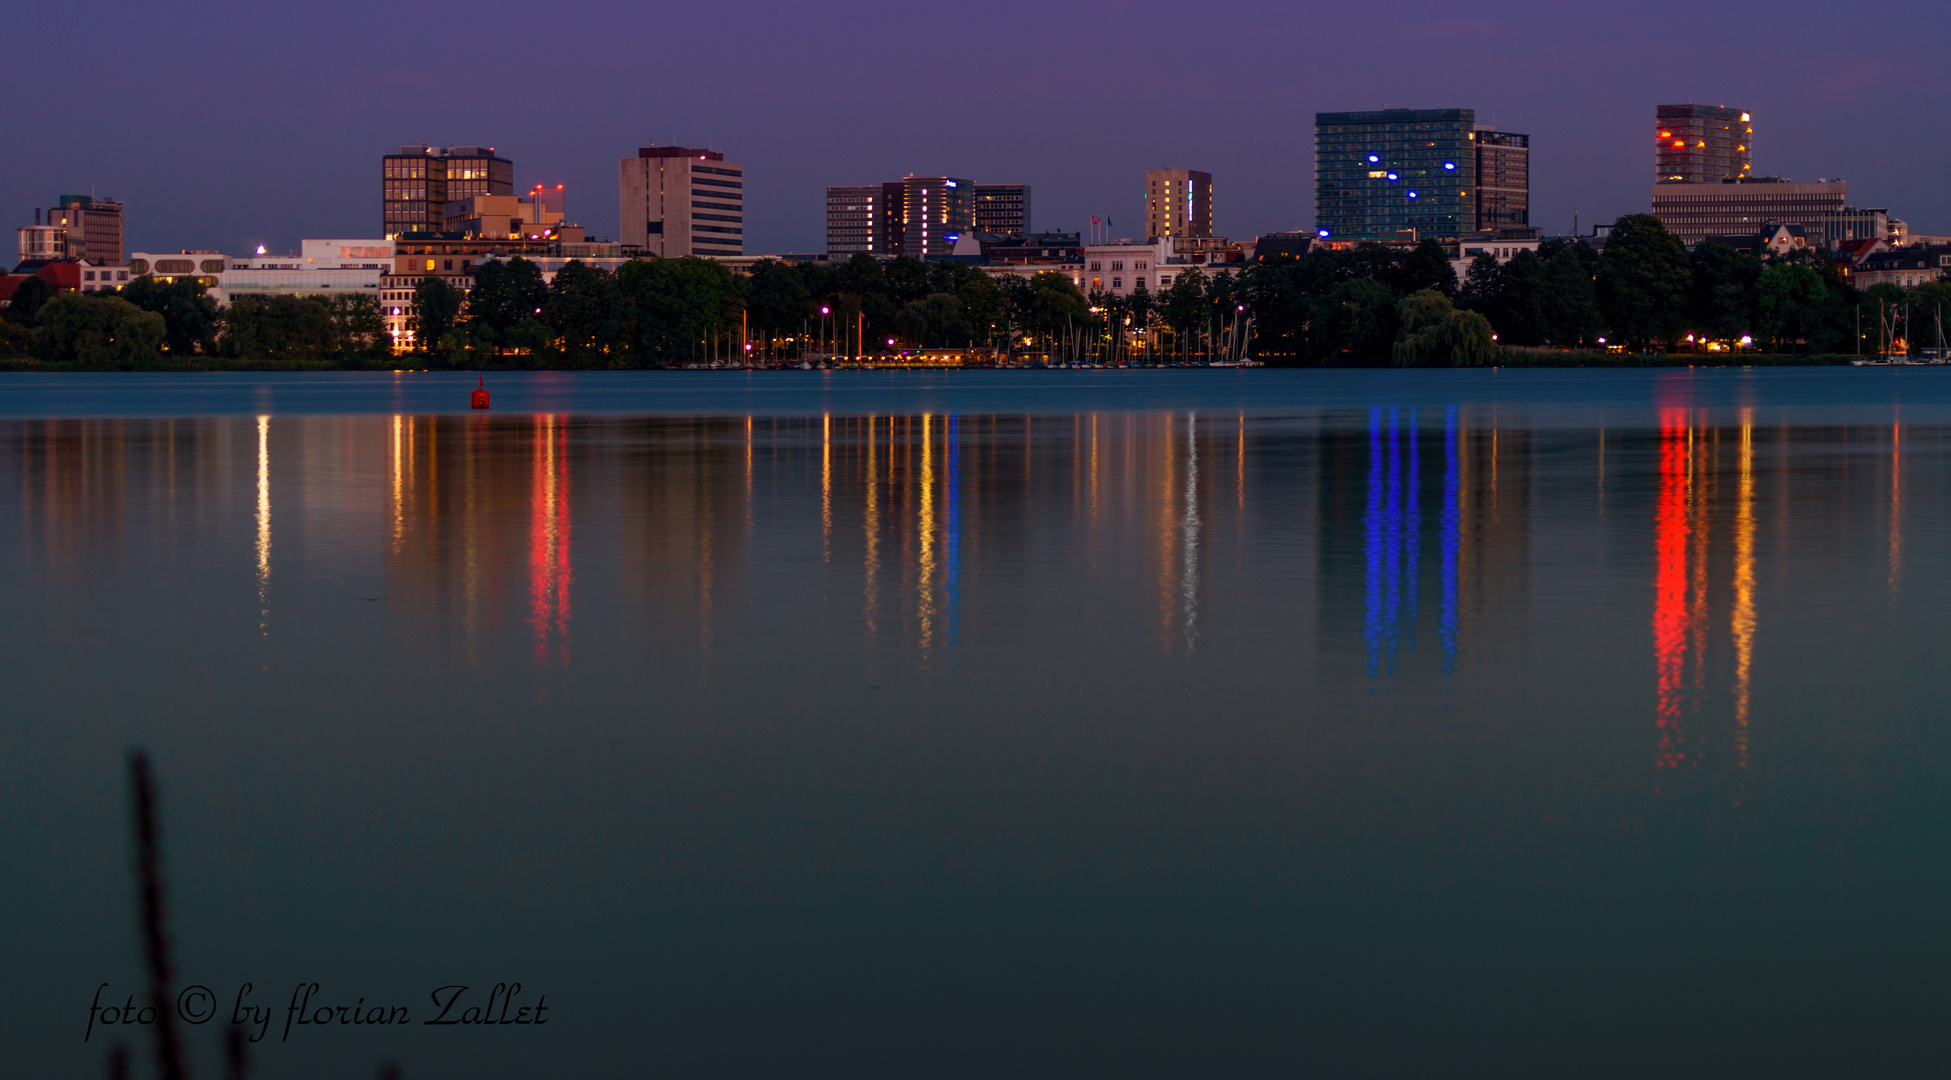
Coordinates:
column 225, row 125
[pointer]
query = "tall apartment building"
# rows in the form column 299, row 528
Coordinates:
column 1503, row 180
column 81, row 227
column 678, row 200
column 1694, row 212
column 1003, row 209
column 1702, row 144
column 935, row 212
column 1178, row 203
column 417, row 183
column 1393, row 173
column 853, row 219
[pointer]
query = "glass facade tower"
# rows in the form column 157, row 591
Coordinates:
column 1379, row 174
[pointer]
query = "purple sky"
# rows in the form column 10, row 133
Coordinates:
column 224, row 124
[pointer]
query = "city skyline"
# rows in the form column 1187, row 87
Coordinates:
column 305, row 171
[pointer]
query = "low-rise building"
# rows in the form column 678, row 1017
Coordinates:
column 65, row 275
column 1773, row 239
column 449, row 257
column 320, row 268
column 1905, row 268
column 511, row 217
column 1500, row 244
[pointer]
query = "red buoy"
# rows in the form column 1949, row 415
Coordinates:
column 479, row 399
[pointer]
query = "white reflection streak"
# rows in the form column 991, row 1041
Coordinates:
column 263, row 524
column 1189, row 530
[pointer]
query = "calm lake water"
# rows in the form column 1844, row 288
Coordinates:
column 1069, row 723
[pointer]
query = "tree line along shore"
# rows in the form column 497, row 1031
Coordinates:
column 1645, row 300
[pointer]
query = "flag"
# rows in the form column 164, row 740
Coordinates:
column 1107, row 221
column 1093, row 219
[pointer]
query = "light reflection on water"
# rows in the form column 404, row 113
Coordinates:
column 1013, row 710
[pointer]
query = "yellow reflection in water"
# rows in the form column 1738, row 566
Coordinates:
column 1189, row 545
column 871, row 525
column 1744, row 587
column 1896, row 506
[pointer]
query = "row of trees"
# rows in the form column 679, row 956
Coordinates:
column 149, row 320
column 666, row 311
column 1646, row 291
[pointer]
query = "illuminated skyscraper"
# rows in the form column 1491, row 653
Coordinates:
column 1703, row 144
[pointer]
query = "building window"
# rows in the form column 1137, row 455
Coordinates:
column 1117, row 283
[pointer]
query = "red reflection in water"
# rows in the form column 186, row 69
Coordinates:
column 1670, row 615
column 549, row 570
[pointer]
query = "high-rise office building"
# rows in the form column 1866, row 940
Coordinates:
column 1503, row 180
column 677, row 200
column 1702, row 144
column 1003, row 209
column 417, row 182
column 935, row 212
column 1178, row 203
column 1394, row 173
column 853, row 219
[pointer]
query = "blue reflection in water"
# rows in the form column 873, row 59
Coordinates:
column 1452, row 535
column 1372, row 545
column 1392, row 539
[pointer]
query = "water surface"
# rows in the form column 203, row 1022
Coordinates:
column 1105, row 723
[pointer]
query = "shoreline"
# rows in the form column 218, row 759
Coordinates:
column 1509, row 360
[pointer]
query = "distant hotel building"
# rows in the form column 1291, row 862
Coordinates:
column 677, row 200
column 1178, row 203
column 418, row 182
column 1422, row 173
column 1702, row 144
column 921, row 215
